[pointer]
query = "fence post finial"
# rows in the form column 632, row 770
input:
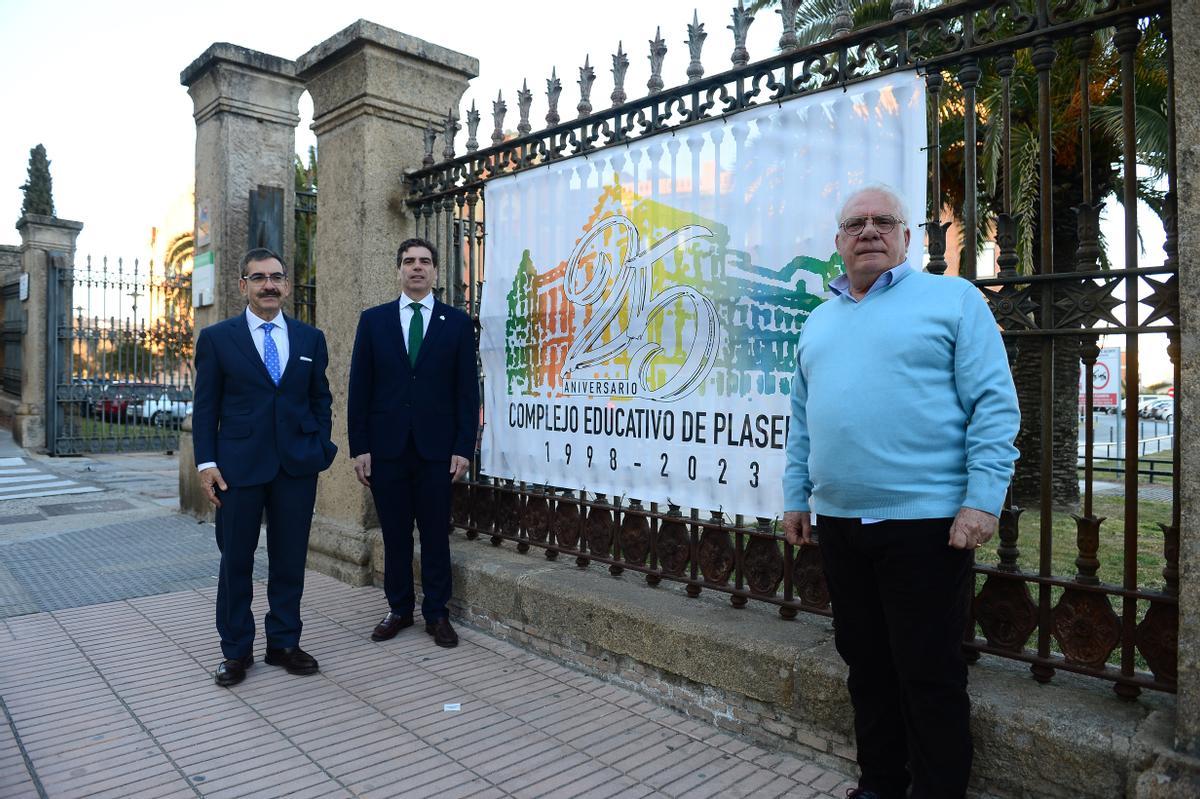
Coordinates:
column 430, row 140
column 842, row 21
column 658, row 51
column 902, row 8
column 553, row 90
column 787, row 12
column 695, row 41
column 451, row 129
column 587, row 76
column 620, row 65
column 472, row 128
column 742, row 19
column 524, row 101
column 499, row 109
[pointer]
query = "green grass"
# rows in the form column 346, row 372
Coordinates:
column 1111, row 553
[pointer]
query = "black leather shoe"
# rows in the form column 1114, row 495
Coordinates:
column 443, row 634
column 232, row 671
column 391, row 624
column 292, row 658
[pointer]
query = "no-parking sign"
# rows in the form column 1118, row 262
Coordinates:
column 1106, row 380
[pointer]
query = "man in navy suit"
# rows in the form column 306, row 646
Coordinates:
column 261, row 426
column 413, row 414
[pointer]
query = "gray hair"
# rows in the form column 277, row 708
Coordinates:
column 876, row 188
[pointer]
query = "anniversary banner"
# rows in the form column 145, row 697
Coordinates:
column 641, row 305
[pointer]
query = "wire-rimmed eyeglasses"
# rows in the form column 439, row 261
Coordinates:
column 258, row 278
column 855, row 225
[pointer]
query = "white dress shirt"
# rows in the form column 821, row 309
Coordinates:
column 406, row 313
column 280, row 337
column 278, row 334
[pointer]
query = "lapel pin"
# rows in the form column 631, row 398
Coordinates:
column 442, row 317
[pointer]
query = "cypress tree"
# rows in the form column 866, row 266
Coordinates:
column 37, row 188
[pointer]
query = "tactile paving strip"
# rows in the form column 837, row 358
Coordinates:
column 120, row 561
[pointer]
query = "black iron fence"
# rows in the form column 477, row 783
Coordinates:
column 1035, row 109
column 15, row 322
column 304, row 266
column 119, row 357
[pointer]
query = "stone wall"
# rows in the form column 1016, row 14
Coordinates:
column 781, row 683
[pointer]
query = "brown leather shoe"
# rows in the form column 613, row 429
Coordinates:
column 232, row 671
column 292, row 658
column 391, row 624
column 443, row 634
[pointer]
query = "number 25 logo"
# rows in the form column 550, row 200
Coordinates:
column 631, row 281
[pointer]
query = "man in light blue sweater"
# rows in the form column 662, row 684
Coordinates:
column 903, row 418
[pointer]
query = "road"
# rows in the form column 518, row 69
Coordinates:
column 1108, row 436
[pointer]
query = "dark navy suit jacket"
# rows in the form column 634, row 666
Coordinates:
column 436, row 401
column 246, row 424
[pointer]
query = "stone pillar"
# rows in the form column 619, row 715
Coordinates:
column 41, row 238
column 245, row 104
column 1186, row 20
column 373, row 91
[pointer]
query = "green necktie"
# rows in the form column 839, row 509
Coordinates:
column 416, row 332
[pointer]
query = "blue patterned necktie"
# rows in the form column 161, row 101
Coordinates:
column 270, row 352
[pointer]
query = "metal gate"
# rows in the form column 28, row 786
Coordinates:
column 1039, row 110
column 119, row 368
column 13, row 334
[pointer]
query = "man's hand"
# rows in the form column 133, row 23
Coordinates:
column 458, row 467
column 362, row 468
column 797, row 527
column 210, row 481
column 972, row 528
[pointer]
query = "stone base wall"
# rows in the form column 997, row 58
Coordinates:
column 191, row 497
column 781, row 683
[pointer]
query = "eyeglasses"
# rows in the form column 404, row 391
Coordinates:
column 258, row 278
column 855, row 225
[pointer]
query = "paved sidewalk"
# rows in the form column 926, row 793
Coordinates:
column 115, row 700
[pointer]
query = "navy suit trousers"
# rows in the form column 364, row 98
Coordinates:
column 900, row 595
column 407, row 489
column 288, row 502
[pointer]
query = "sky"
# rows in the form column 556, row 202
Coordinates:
column 98, row 84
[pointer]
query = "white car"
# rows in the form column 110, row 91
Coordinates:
column 160, row 410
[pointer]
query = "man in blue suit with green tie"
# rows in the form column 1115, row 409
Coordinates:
column 412, row 417
column 261, row 425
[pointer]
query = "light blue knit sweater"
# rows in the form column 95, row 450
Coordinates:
column 903, row 406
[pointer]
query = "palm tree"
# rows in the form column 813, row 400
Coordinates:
column 815, row 24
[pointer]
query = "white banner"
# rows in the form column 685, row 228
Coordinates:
column 641, row 305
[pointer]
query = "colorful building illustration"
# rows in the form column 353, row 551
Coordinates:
column 760, row 307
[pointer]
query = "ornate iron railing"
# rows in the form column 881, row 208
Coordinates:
column 304, row 267
column 1026, row 82
column 119, row 363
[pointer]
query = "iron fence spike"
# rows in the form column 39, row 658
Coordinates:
column 742, row 20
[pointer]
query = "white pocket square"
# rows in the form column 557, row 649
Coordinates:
column 306, row 358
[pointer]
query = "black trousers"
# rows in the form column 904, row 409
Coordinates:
column 288, row 502
column 900, row 595
column 408, row 489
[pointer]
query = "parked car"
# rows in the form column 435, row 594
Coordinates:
column 108, row 401
column 1142, row 400
column 1146, row 409
column 161, row 409
column 1159, row 409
